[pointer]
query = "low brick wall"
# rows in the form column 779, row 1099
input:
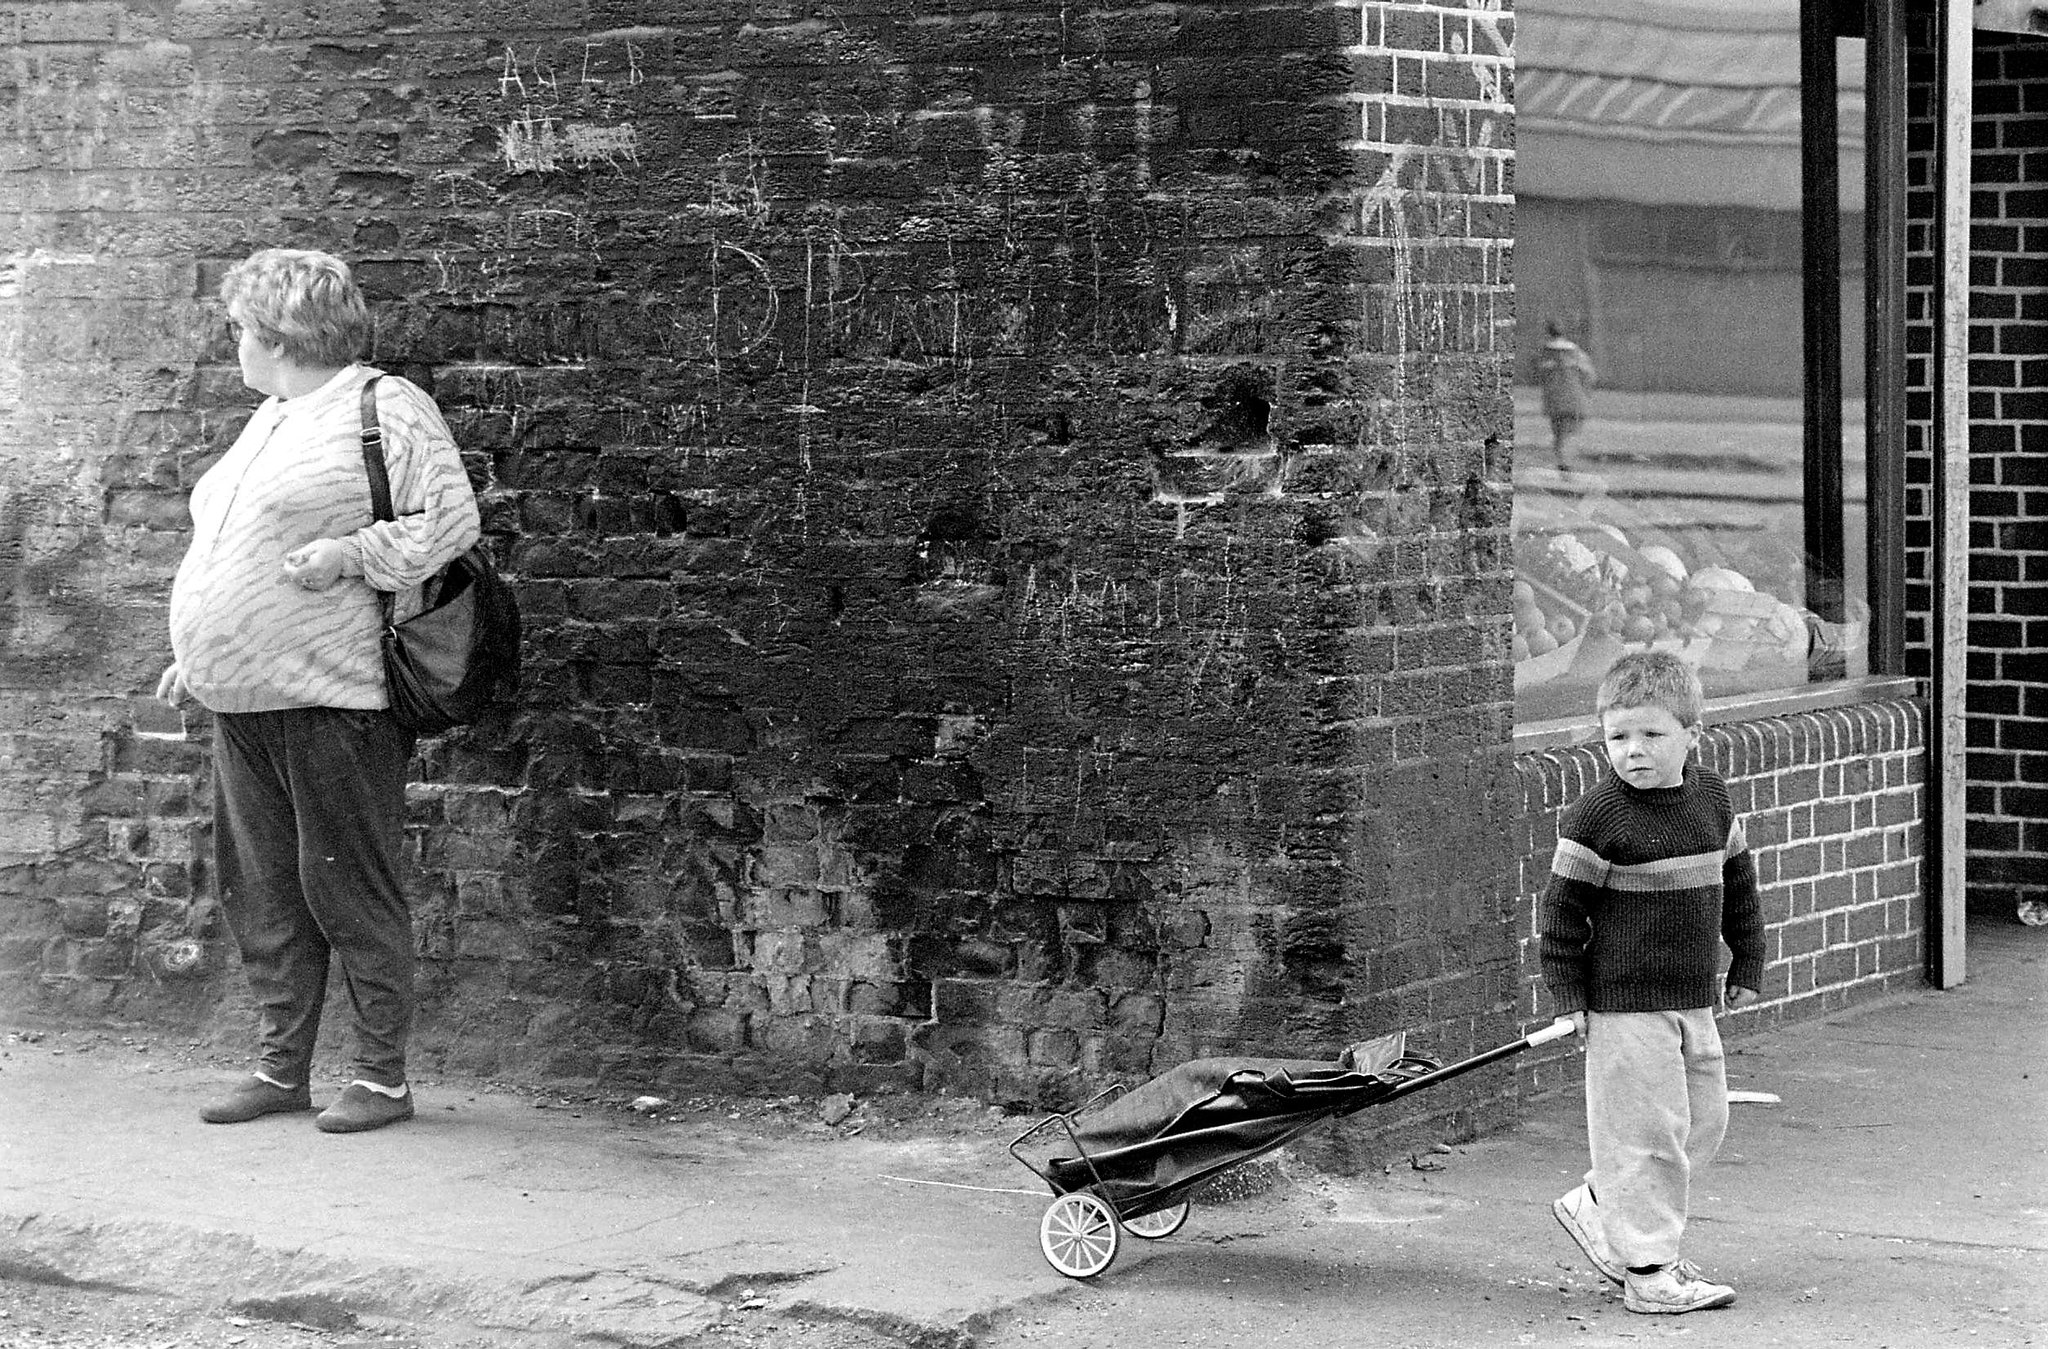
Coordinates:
column 1834, row 803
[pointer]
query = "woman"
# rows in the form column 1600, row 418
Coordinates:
column 275, row 629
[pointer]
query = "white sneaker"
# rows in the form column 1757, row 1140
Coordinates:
column 1672, row 1290
column 1578, row 1215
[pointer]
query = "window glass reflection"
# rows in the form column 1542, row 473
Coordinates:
column 1659, row 373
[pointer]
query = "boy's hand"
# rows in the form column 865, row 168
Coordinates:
column 1736, row 998
column 1579, row 1025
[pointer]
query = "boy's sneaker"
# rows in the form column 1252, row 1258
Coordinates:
column 1580, row 1216
column 1674, row 1289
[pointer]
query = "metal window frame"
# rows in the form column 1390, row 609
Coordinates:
column 1881, row 23
column 1884, row 352
column 1947, row 850
column 1820, row 221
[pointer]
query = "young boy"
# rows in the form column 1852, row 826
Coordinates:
column 1651, row 875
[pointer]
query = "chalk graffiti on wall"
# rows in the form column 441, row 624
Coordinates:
column 539, row 141
column 529, row 145
column 1416, row 211
column 601, row 144
column 597, row 43
column 1490, row 76
column 1105, row 280
column 538, row 144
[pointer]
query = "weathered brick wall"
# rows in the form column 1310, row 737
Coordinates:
column 1923, row 228
column 99, row 891
column 2007, row 802
column 2008, row 695
column 1006, row 503
column 1833, row 804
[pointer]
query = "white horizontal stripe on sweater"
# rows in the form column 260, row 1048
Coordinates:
column 1574, row 861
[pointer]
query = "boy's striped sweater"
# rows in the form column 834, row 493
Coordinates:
column 1644, row 887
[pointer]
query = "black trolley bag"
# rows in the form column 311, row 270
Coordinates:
column 1131, row 1157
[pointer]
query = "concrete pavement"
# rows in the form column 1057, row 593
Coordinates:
column 1914, row 1128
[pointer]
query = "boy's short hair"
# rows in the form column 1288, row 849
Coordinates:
column 1652, row 679
column 302, row 300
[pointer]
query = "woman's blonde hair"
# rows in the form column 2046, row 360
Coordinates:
column 301, row 300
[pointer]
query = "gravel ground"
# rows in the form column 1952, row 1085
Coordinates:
column 43, row 1316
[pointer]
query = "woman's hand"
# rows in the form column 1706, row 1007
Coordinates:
column 315, row 566
column 172, row 688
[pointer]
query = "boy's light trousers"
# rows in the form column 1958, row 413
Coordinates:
column 1656, row 1112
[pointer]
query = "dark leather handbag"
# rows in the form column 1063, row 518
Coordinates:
column 458, row 657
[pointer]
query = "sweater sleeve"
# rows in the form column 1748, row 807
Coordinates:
column 1565, row 925
column 1742, row 924
column 437, row 518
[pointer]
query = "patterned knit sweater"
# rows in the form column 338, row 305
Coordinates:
column 1644, row 887
column 248, row 640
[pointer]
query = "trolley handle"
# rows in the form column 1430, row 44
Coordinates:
column 1556, row 1030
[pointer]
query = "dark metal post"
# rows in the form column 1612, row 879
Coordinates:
column 1820, row 173
column 1884, row 351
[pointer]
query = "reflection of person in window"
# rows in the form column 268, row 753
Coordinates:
column 1566, row 375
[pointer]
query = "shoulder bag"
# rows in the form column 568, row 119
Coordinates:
column 458, row 657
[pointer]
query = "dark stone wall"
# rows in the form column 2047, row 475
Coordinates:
column 1009, row 505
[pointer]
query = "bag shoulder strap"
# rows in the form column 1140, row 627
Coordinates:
column 380, row 480
column 373, row 453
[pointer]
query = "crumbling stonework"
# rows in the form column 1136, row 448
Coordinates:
column 1007, row 504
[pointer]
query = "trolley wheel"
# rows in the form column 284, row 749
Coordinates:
column 1153, row 1226
column 1078, row 1235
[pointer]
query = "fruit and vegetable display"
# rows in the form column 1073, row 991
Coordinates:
column 1584, row 596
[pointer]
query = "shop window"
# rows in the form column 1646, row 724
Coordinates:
column 1689, row 402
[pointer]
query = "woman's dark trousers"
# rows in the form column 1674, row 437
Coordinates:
column 309, row 827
